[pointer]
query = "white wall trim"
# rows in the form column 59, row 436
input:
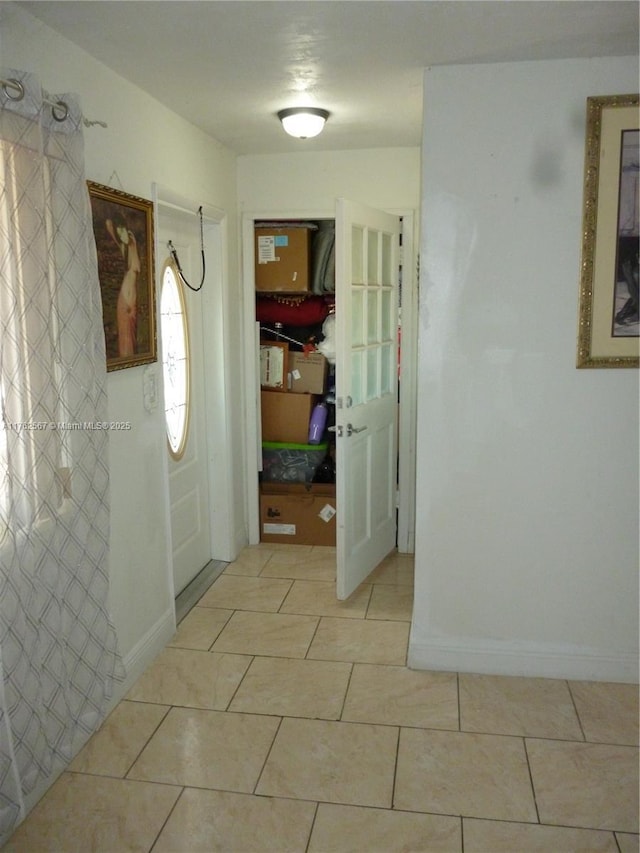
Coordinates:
column 408, row 385
column 144, row 652
column 534, row 660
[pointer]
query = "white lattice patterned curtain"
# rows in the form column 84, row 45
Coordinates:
column 58, row 652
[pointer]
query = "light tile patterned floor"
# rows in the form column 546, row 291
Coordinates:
column 279, row 719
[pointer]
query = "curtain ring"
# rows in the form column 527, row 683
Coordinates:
column 12, row 83
column 60, row 105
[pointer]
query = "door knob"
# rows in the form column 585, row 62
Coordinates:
column 351, row 429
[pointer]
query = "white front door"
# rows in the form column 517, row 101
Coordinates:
column 367, row 245
column 189, row 475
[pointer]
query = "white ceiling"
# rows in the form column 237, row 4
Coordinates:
column 229, row 65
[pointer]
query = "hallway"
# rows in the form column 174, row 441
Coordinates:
column 282, row 719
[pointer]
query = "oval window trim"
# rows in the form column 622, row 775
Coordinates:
column 176, row 412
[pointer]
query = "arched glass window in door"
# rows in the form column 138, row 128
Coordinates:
column 175, row 359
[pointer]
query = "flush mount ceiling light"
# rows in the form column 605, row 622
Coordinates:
column 303, row 122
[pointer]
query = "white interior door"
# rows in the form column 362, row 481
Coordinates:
column 189, row 475
column 367, row 245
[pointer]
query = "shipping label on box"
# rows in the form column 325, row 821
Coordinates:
column 266, row 248
column 271, row 529
column 307, row 372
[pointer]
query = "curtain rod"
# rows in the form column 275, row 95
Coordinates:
column 63, row 109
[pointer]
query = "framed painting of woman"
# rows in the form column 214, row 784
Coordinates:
column 123, row 231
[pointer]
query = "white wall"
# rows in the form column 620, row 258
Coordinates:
column 527, row 484
column 144, row 143
column 387, row 178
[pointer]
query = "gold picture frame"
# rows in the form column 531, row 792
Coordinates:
column 608, row 305
column 123, row 232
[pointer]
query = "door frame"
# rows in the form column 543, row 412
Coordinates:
column 407, row 407
column 216, row 357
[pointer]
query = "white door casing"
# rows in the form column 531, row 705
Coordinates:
column 367, row 248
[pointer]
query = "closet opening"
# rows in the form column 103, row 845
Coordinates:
column 392, row 499
column 295, row 313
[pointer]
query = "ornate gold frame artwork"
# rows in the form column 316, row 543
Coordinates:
column 609, row 323
column 123, row 231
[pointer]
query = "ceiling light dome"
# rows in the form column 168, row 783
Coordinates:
column 303, row 122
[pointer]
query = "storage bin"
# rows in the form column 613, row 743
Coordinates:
column 291, row 463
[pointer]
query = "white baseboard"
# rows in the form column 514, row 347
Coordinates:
column 493, row 657
column 144, row 653
column 240, row 541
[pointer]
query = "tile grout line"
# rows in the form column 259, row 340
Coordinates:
column 311, row 828
column 346, row 692
column 575, row 708
column 239, row 684
column 313, row 636
column 395, row 771
column 254, row 790
column 166, row 820
column 533, row 787
column 287, row 593
column 151, row 736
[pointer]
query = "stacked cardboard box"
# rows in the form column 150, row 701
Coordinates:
column 285, row 417
column 299, row 514
column 283, row 258
column 307, row 372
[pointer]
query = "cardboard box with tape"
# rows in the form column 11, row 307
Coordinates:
column 283, row 258
column 285, row 417
column 307, row 372
column 298, row 514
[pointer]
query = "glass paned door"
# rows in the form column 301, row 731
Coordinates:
column 367, row 244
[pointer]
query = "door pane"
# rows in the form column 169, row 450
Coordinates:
column 388, row 273
column 372, row 373
column 357, row 317
column 373, row 336
column 386, row 332
column 357, row 365
column 357, row 255
column 373, row 264
column 387, row 369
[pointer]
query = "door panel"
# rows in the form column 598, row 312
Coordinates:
column 366, row 390
column 189, row 475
